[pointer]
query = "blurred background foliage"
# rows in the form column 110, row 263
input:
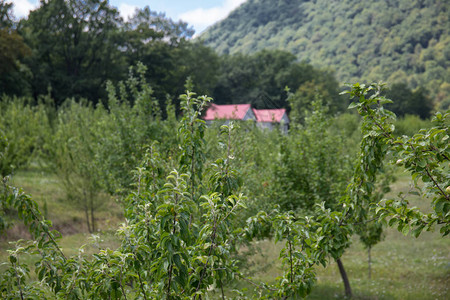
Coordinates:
column 71, row 49
column 397, row 41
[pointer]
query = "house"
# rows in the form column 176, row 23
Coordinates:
column 241, row 112
column 268, row 118
column 264, row 118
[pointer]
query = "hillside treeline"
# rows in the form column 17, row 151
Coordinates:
column 399, row 41
column 71, row 49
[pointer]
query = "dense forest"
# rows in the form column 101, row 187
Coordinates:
column 90, row 44
column 71, row 48
column 399, row 41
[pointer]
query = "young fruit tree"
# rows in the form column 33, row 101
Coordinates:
column 180, row 235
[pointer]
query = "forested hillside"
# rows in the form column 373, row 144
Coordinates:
column 397, row 41
column 92, row 45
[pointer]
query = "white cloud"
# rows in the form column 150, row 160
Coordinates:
column 126, row 10
column 21, row 8
column 201, row 18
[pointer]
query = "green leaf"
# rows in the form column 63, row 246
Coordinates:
column 392, row 222
column 353, row 105
column 405, row 229
column 439, row 207
column 12, row 259
column 416, row 232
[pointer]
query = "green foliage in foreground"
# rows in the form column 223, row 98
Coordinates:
column 425, row 156
column 180, row 238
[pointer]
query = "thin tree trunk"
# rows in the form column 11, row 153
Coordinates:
column 348, row 290
column 86, row 212
column 370, row 262
column 92, row 214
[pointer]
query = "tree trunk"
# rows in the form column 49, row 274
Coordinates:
column 86, row 212
column 348, row 290
column 370, row 262
column 92, row 214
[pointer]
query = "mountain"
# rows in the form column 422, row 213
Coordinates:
column 404, row 41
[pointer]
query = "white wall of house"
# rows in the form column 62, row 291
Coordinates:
column 283, row 125
column 249, row 115
column 265, row 125
column 270, row 126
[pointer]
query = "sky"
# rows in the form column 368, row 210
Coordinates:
column 197, row 13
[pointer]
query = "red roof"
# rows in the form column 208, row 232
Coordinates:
column 269, row 115
column 231, row 111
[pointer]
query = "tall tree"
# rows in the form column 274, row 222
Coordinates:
column 12, row 49
column 261, row 79
column 161, row 45
column 407, row 101
column 75, row 47
column 6, row 17
column 201, row 64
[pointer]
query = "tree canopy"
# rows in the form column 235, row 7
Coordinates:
column 262, row 78
column 12, row 49
column 77, row 46
column 409, row 102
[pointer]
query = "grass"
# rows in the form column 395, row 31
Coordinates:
column 48, row 192
column 402, row 267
